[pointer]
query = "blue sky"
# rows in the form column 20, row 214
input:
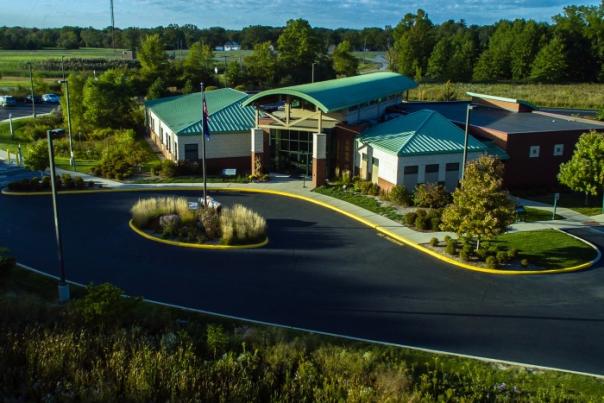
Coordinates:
column 240, row 13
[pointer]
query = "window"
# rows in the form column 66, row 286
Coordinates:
column 411, row 170
column 375, row 162
column 452, row 166
column 431, row 168
column 191, row 152
column 558, row 150
column 534, row 152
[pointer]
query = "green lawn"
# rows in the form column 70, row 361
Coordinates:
column 194, row 179
column 571, row 200
column 366, row 202
column 11, row 143
column 106, row 348
column 533, row 215
column 548, row 248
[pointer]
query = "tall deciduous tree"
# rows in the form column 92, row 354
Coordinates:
column 108, row 100
column 198, row 64
column 262, row 65
column 77, row 106
column 550, row 64
column 481, row 208
column 153, row 58
column 584, row 172
column 298, row 47
column 494, row 63
column 344, row 63
column 413, row 42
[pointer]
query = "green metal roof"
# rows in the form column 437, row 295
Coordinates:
column 503, row 99
column 182, row 114
column 419, row 133
column 342, row 93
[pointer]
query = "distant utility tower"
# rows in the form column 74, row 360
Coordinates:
column 112, row 26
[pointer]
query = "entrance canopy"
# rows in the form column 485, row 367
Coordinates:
column 338, row 94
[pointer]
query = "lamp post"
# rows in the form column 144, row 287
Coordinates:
column 10, row 125
column 465, row 141
column 33, row 99
column 312, row 76
column 72, row 161
column 63, row 286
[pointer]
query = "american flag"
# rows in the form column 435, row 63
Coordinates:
column 204, row 115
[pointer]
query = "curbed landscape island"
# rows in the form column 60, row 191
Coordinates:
column 184, row 223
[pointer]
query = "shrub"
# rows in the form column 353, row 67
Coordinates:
column 482, row 253
column 410, row 218
column 399, row 195
column 435, row 223
column 103, row 303
column 464, row 255
column 78, row 182
column 168, row 169
column 240, row 225
column 512, row 253
column 502, row 257
column 210, row 221
column 421, row 212
column 155, row 168
column 67, row 181
column 434, row 241
column 447, row 238
column 491, row 262
column 431, row 195
column 145, row 210
column 524, row 263
column 36, row 156
column 451, row 247
column 421, row 222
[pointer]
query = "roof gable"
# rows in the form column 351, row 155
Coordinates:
column 422, row 132
column 182, row 114
column 342, row 93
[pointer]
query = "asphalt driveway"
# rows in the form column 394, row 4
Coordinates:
column 322, row 271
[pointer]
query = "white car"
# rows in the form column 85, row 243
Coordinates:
column 50, row 98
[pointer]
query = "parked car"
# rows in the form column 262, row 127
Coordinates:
column 37, row 99
column 50, row 98
column 7, row 100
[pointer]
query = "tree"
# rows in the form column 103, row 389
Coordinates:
column 481, row 208
column 108, row 100
column 584, row 172
column 550, row 63
column 262, row 65
column 36, row 156
column 157, row 89
column 68, row 40
column 344, row 63
column 198, row 64
column 526, row 45
column 236, row 74
column 413, row 42
column 153, row 58
column 494, row 63
column 77, row 81
column 298, row 47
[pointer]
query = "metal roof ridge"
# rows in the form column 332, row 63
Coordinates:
column 421, row 125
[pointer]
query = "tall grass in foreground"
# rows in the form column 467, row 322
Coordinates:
column 241, row 225
column 147, row 209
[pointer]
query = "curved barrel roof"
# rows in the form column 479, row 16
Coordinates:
column 342, row 93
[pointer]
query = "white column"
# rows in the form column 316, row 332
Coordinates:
column 319, row 150
column 257, row 140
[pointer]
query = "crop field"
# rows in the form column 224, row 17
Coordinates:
column 573, row 95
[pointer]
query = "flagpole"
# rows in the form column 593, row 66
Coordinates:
column 203, row 149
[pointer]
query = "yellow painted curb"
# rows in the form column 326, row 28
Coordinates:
column 194, row 245
column 379, row 229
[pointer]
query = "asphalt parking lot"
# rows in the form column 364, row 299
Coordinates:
column 23, row 109
column 321, row 271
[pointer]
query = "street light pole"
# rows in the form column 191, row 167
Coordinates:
column 465, row 142
column 10, row 125
column 312, row 77
column 33, row 99
column 63, row 286
column 72, row 161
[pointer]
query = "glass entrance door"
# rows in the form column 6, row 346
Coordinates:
column 291, row 151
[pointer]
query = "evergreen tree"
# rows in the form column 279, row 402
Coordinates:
column 344, row 63
column 550, row 63
column 481, row 208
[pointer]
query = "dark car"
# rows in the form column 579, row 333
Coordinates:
column 37, row 99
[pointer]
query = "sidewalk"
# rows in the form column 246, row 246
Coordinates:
column 572, row 217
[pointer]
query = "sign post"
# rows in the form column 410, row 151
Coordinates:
column 556, row 198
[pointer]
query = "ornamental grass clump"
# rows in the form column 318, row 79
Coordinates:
column 146, row 210
column 240, row 225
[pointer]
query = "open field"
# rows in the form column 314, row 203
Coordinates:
column 573, row 95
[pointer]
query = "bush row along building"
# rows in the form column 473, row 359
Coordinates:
column 362, row 126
